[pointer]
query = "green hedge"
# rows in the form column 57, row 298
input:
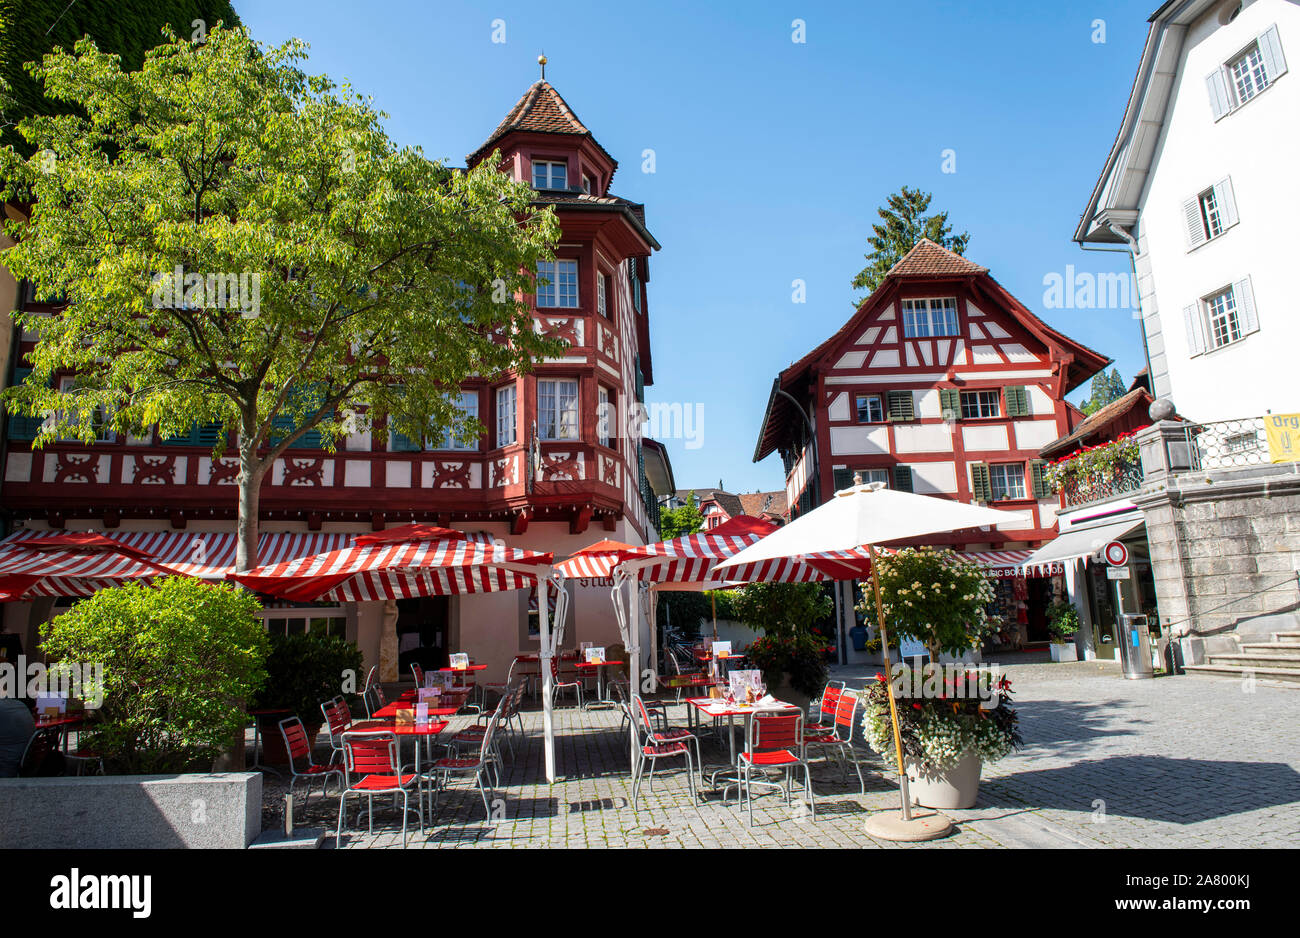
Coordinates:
column 128, row 28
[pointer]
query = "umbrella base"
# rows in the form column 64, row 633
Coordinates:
column 891, row 826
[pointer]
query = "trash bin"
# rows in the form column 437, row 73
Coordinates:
column 859, row 635
column 1135, row 647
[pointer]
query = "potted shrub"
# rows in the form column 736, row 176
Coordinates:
column 940, row 599
column 790, row 653
column 948, row 728
column 180, row 660
column 303, row 671
column 793, row 666
column 1062, row 624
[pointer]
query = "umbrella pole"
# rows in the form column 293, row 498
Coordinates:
column 906, row 827
column 713, row 604
column 546, row 656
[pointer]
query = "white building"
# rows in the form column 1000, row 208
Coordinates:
column 1202, row 180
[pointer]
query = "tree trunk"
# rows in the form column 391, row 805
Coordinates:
column 246, row 527
column 250, row 492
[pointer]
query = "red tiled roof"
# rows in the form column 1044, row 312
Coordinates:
column 928, row 259
column 540, row 110
column 759, row 503
column 1097, row 422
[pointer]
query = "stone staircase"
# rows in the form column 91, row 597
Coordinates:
column 1276, row 660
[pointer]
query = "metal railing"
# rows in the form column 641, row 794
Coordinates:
column 1227, row 444
column 1125, row 477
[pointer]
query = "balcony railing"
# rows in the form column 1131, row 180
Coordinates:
column 1098, row 473
column 1125, row 477
column 1227, row 444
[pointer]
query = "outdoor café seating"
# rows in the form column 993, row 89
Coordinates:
column 480, row 766
column 771, row 744
column 655, row 746
column 838, row 740
column 303, row 767
column 372, row 766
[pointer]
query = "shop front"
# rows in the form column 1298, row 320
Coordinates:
column 1102, row 592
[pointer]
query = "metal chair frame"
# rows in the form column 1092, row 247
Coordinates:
column 442, row 769
column 297, row 746
column 400, row 782
column 653, row 748
column 784, row 734
column 839, row 741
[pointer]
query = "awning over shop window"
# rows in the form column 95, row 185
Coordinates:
column 1080, row 542
column 1010, row 563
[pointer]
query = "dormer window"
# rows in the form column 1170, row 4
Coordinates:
column 586, row 184
column 548, row 175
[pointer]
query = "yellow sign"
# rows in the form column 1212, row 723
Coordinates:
column 1283, row 437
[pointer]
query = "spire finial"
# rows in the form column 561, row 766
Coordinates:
column 541, row 60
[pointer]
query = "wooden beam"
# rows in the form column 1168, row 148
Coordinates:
column 609, row 522
column 519, row 523
column 178, row 520
column 581, row 518
column 377, row 521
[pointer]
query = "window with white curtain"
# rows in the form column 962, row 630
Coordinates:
column 506, row 422
column 557, row 409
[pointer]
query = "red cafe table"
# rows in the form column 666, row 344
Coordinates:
column 717, row 708
column 63, row 724
column 388, row 712
column 585, row 667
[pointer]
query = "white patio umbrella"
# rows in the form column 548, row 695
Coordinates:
column 866, row 516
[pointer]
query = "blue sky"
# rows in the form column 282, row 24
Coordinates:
column 771, row 156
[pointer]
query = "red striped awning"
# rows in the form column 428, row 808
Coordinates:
column 429, row 562
column 46, row 563
column 595, row 562
column 690, row 559
column 1011, row 563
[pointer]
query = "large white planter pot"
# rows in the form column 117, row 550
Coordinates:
column 957, row 787
column 1067, row 652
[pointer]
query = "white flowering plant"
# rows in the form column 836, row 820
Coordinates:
column 934, row 596
column 938, row 731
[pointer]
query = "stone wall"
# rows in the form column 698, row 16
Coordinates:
column 1225, row 545
column 221, row 810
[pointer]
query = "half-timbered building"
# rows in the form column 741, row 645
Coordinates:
column 941, row 383
column 557, row 469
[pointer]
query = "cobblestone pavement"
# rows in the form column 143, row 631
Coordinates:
column 1172, row 762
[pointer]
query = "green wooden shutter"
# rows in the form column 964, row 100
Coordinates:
column 843, row 478
column 1038, row 472
column 900, row 405
column 981, row 487
column 1017, row 401
column 950, row 403
column 903, row 478
column 204, row 435
column 22, row 427
column 402, row 443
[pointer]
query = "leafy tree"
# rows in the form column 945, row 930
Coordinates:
column 903, row 223
column 678, row 522
column 329, row 280
column 782, row 609
column 180, row 661
column 1106, row 387
column 129, row 28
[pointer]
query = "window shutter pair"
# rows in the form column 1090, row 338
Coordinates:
column 1017, row 398
column 950, row 403
column 1270, row 52
column 843, row 478
column 1195, row 222
column 199, row 434
column 903, row 478
column 981, row 487
column 1038, row 473
column 899, row 405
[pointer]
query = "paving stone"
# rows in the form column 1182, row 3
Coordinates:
column 1176, row 762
